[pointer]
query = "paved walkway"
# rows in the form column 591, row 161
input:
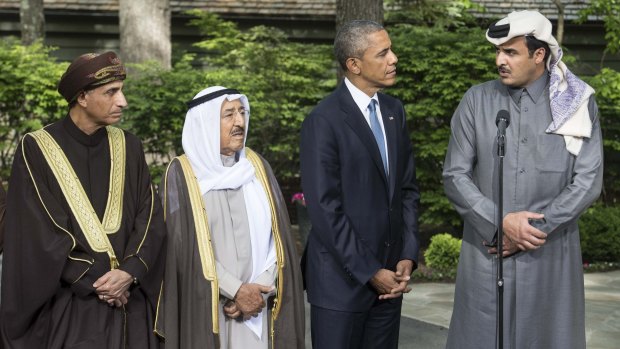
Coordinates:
column 427, row 310
column 431, row 303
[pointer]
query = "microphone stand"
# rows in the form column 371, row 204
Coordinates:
column 501, row 142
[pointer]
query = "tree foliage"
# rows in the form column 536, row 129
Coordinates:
column 607, row 87
column 283, row 81
column 435, row 69
column 609, row 10
column 28, row 97
column 156, row 109
column 437, row 13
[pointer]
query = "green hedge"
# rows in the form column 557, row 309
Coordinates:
column 28, row 97
column 443, row 252
column 599, row 227
column 283, row 82
column 435, row 69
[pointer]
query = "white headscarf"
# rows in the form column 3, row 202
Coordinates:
column 568, row 94
column 201, row 143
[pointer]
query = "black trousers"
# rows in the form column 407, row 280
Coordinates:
column 376, row 328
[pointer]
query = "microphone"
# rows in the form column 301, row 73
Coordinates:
column 502, row 121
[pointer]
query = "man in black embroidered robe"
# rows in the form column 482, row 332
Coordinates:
column 60, row 288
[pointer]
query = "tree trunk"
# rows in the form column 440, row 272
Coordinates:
column 145, row 31
column 560, row 27
column 348, row 10
column 32, row 21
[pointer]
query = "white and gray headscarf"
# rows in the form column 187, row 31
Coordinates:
column 201, row 143
column 568, row 94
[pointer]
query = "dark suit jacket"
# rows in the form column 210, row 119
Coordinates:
column 362, row 221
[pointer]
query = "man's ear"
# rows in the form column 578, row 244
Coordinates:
column 81, row 99
column 539, row 55
column 352, row 66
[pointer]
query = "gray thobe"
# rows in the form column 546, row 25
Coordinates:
column 543, row 292
column 230, row 233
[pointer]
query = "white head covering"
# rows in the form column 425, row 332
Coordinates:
column 201, row 143
column 568, row 94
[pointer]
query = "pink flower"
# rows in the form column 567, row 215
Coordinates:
column 299, row 198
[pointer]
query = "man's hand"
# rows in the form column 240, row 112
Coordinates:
column 518, row 230
column 116, row 302
column 384, row 282
column 249, row 298
column 114, row 285
column 402, row 276
column 509, row 247
column 404, row 268
column 231, row 310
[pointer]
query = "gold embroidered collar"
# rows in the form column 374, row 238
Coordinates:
column 94, row 230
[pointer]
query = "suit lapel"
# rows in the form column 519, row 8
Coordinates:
column 389, row 124
column 355, row 119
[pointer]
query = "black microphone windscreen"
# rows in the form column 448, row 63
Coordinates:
column 503, row 114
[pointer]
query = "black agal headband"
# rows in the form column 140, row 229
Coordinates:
column 210, row 96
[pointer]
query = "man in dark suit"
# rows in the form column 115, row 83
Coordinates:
column 358, row 177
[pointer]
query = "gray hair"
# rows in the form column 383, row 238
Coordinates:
column 352, row 40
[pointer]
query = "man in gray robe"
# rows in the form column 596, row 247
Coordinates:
column 553, row 170
column 232, row 277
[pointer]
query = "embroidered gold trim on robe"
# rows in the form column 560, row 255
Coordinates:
column 36, row 188
column 94, row 231
column 203, row 237
column 261, row 174
column 207, row 257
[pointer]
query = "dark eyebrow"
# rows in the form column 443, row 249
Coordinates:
column 384, row 51
column 506, row 49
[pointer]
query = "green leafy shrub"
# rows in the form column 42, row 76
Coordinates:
column 443, row 252
column 435, row 69
column 283, row 81
column 156, row 107
column 28, row 98
column 607, row 87
column 599, row 228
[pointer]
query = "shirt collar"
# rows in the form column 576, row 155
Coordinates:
column 535, row 89
column 80, row 136
column 359, row 97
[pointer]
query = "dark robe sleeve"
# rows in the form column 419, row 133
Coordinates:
column 184, row 309
column 2, row 210
column 290, row 324
column 145, row 241
column 144, row 253
column 39, row 250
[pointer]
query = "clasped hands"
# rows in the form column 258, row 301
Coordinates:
column 113, row 287
column 519, row 235
column 248, row 301
column 390, row 284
